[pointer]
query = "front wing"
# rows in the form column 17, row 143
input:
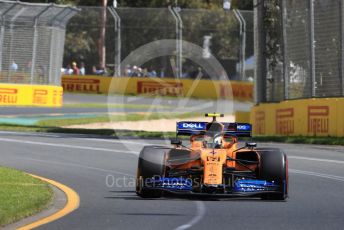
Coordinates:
column 241, row 188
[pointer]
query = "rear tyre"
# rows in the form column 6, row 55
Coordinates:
column 151, row 164
column 274, row 167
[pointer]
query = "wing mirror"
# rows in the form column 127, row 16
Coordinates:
column 251, row 145
column 176, row 142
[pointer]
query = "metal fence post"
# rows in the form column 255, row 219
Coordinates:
column 260, row 48
column 242, row 23
column 341, row 63
column 35, row 36
column 312, row 47
column 51, row 58
column 179, row 40
column 118, row 47
column 243, row 46
column 284, row 47
column 2, row 33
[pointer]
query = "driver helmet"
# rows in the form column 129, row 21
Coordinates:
column 218, row 142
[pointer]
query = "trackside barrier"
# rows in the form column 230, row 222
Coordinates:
column 205, row 89
column 242, row 116
column 30, row 95
column 305, row 117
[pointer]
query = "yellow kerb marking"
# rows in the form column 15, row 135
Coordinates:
column 73, row 202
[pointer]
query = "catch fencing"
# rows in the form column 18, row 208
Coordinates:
column 101, row 38
column 32, row 42
column 304, row 51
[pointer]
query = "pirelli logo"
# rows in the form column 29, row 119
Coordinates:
column 318, row 119
column 236, row 91
column 285, row 121
column 40, row 97
column 8, row 96
column 259, row 122
column 160, row 88
column 81, row 85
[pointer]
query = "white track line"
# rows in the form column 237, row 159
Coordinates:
column 119, row 141
column 198, row 217
column 29, row 134
column 66, row 146
column 316, row 159
column 77, row 165
column 327, row 176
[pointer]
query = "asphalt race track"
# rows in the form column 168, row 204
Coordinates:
column 88, row 164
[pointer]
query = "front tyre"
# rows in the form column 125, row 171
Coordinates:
column 152, row 163
column 274, row 167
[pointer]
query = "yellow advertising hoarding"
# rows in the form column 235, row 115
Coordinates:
column 206, row 89
column 305, row 117
column 30, row 95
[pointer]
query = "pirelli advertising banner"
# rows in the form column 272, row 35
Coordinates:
column 206, row 89
column 306, row 117
column 30, row 95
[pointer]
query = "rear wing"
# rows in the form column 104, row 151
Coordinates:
column 188, row 128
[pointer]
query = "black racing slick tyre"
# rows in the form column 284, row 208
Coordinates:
column 152, row 161
column 274, row 167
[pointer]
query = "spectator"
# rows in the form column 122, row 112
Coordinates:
column 140, row 72
column 152, row 73
column 75, row 68
column 98, row 71
column 145, row 72
column 82, row 69
column 68, row 70
column 14, row 67
column 94, row 70
column 127, row 71
column 41, row 74
column 162, row 73
column 28, row 66
column 135, row 72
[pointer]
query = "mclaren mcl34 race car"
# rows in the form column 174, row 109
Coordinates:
column 213, row 164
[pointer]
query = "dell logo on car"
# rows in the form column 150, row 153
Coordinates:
column 192, row 125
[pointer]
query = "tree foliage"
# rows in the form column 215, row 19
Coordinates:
column 141, row 27
column 205, row 4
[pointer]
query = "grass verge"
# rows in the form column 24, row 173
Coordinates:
column 101, row 132
column 21, row 195
column 114, row 106
column 113, row 118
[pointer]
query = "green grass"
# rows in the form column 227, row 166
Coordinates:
column 114, row 106
column 103, row 132
column 112, row 118
column 21, row 195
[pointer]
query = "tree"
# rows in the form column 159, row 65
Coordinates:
column 92, row 31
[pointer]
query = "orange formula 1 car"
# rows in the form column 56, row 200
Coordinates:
column 212, row 165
